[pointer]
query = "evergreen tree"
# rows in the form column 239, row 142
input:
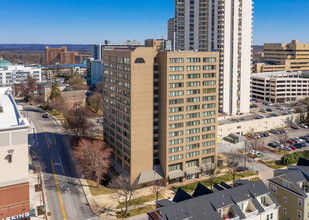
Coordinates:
column 55, row 91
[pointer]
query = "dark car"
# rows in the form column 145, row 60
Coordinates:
column 45, row 116
column 269, row 110
column 298, row 145
column 274, row 145
column 241, row 169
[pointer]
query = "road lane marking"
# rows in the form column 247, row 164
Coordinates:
column 42, row 126
column 75, row 211
column 52, row 131
column 55, row 177
column 61, row 164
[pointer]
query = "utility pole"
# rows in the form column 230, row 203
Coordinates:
column 245, row 158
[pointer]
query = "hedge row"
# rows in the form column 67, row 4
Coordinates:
column 293, row 158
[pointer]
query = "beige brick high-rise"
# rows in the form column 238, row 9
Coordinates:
column 159, row 105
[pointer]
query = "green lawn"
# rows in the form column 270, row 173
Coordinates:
column 255, row 179
column 224, row 178
column 141, row 210
column 273, row 164
column 100, row 190
column 56, row 114
column 140, row 200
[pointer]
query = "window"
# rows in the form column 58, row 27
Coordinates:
column 192, row 154
column 209, row 128
column 284, row 210
column 209, row 67
column 193, row 60
column 269, row 216
column 193, row 92
column 209, row 121
column 176, row 60
column 209, row 83
column 193, row 84
column 176, row 141
column 273, row 189
column 175, row 157
column 208, row 151
column 209, row 113
column 192, row 163
column 208, row 136
column 241, row 206
column 263, row 199
column 300, row 202
column 176, row 68
column 209, row 98
column 192, row 146
column 176, row 93
column 299, row 214
column 212, row 105
column 193, row 76
column 285, row 199
column 192, row 123
column 176, row 125
column 175, row 85
column 175, row 167
column 193, row 68
column 175, row 101
column 175, row 133
column 209, row 59
column 194, row 138
column 178, row 76
column 176, row 109
column 195, row 99
column 213, row 90
column 193, row 131
column 208, row 143
column 209, row 75
column 286, row 183
column 175, row 117
column 193, row 107
column 193, row 115
column 175, row 149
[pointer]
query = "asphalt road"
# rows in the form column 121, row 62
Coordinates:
column 64, row 195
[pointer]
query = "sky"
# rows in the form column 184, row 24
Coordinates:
column 93, row 21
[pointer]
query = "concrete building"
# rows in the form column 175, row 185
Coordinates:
column 11, row 74
column 292, row 56
column 94, row 71
column 171, row 30
column 290, row 188
column 131, row 43
column 251, row 200
column 44, row 89
column 148, row 87
column 96, row 52
column 224, row 26
column 280, row 87
column 14, row 180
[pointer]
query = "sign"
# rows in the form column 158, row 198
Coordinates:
column 16, row 217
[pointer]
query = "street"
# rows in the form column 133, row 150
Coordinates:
column 64, row 196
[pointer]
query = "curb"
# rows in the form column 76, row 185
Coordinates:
column 265, row 164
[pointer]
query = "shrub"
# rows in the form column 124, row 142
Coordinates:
column 293, row 158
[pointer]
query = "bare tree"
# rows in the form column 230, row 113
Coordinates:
column 233, row 160
column 95, row 102
column 99, row 87
column 125, row 189
column 28, row 88
column 76, row 120
column 281, row 138
column 255, row 145
column 212, row 172
column 57, row 104
column 157, row 188
column 93, row 157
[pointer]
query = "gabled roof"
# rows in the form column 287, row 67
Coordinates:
column 302, row 162
column 181, row 195
column 201, row 190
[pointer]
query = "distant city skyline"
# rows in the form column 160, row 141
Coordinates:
column 84, row 22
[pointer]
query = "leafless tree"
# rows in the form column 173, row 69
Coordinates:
column 99, row 87
column 125, row 189
column 28, row 88
column 93, row 157
column 280, row 100
column 95, row 102
column 76, row 120
column 57, row 104
column 38, row 163
column 281, row 138
column 212, row 172
column 157, row 188
column 256, row 145
column 233, row 161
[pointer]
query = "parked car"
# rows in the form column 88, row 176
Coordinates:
column 259, row 116
column 303, row 126
column 292, row 147
column 263, row 110
column 291, row 141
column 269, row 110
column 285, row 148
column 274, row 131
column 294, row 126
column 45, row 115
column 266, row 134
column 241, row 169
column 298, row 145
column 258, row 101
column 274, row 145
column 262, row 135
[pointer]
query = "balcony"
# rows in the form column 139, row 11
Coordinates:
column 249, row 213
column 229, row 213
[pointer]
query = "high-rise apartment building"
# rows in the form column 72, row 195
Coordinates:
column 14, row 180
column 96, row 52
column 224, row 26
column 62, row 56
column 52, row 55
column 293, row 56
column 171, row 29
column 160, row 111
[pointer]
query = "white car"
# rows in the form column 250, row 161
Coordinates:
column 303, row 126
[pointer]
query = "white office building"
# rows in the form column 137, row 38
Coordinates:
column 11, row 74
column 224, row 26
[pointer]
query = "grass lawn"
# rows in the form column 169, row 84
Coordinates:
column 98, row 191
column 139, row 200
column 273, row 164
column 224, row 178
column 141, row 210
column 56, row 114
column 255, row 179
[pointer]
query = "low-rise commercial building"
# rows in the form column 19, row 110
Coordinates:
column 14, row 179
column 251, row 200
column 160, row 111
column 280, row 87
column 292, row 56
column 291, row 189
column 13, row 74
column 44, row 89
